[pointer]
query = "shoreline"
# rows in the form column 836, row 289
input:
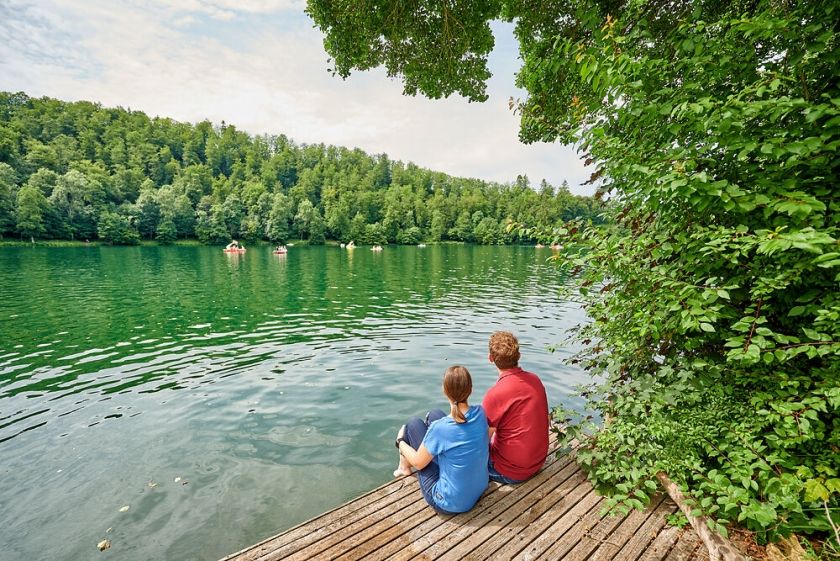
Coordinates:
column 192, row 242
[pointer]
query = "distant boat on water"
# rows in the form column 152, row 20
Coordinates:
column 234, row 247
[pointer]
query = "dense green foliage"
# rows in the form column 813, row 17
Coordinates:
column 714, row 126
column 78, row 171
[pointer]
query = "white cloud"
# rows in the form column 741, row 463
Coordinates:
column 33, row 34
column 222, row 9
column 259, row 6
column 248, row 6
column 263, row 70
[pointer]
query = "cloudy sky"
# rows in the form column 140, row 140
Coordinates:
column 260, row 65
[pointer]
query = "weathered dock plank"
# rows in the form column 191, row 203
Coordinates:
column 550, row 530
column 555, row 515
column 647, row 533
column 662, row 544
column 689, row 547
column 514, row 537
column 463, row 538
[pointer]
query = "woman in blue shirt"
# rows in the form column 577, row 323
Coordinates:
column 450, row 451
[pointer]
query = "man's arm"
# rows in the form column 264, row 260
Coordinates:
column 489, row 406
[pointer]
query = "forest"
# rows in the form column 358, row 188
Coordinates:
column 79, row 171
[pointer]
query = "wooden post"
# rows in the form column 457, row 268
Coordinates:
column 720, row 549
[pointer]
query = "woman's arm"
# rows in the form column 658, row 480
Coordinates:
column 419, row 458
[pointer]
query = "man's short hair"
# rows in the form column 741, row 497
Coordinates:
column 504, row 350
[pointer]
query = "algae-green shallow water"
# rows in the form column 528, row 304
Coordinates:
column 270, row 387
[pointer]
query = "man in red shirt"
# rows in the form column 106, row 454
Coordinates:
column 517, row 412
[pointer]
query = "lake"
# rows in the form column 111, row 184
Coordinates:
column 223, row 398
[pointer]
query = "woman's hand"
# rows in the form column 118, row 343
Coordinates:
column 419, row 458
column 400, row 437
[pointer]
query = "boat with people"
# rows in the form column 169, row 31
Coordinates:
column 280, row 250
column 376, row 248
column 234, row 247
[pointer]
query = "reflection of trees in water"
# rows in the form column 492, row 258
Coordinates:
column 202, row 305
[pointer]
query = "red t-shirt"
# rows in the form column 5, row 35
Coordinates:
column 517, row 407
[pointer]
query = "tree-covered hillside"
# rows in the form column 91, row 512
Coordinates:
column 81, row 171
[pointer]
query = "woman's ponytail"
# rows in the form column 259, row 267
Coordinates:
column 457, row 385
column 455, row 411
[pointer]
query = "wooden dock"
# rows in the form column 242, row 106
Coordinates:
column 555, row 515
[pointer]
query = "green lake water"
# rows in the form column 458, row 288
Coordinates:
column 272, row 386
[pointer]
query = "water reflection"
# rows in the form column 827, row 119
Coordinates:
column 270, row 383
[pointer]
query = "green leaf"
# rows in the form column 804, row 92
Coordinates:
column 813, row 335
column 815, row 490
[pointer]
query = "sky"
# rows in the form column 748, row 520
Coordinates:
column 260, row 65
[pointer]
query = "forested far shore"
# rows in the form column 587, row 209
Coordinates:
column 79, row 171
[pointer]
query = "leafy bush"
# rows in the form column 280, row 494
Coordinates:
column 210, row 227
column 166, row 231
column 374, row 234
column 411, row 236
column 714, row 295
column 117, row 229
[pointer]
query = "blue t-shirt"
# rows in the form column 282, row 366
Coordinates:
column 461, row 451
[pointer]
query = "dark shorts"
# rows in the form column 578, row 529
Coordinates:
column 499, row 478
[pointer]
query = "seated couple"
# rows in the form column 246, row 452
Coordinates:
column 505, row 439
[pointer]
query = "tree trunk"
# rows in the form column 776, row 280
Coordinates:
column 720, row 549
